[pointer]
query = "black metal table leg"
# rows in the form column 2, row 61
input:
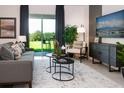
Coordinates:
column 60, row 71
column 50, row 65
column 73, row 69
column 69, row 66
column 50, row 62
column 55, row 68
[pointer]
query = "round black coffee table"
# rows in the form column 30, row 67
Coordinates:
column 52, row 58
column 63, row 61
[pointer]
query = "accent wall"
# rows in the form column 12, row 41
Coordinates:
column 10, row 11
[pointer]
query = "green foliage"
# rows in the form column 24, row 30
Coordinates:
column 120, row 52
column 38, row 36
column 70, row 34
column 48, row 36
column 39, row 46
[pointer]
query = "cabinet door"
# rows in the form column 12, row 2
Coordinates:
column 95, row 50
column 104, row 53
column 113, row 56
column 91, row 49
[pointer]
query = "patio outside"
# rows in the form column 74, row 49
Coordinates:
column 42, row 33
column 38, row 43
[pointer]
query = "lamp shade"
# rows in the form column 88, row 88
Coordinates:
column 81, row 29
column 21, row 38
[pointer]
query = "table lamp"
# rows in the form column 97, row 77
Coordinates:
column 21, row 38
column 81, row 29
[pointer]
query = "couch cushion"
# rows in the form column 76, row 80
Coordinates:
column 77, row 44
column 27, row 56
column 6, row 53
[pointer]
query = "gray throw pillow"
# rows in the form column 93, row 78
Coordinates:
column 6, row 53
column 8, row 45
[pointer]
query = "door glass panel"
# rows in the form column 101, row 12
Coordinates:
column 35, row 34
column 48, row 34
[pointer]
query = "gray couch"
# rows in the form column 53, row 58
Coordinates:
column 17, row 71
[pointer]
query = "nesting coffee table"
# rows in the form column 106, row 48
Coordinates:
column 58, row 63
column 64, row 61
column 51, row 56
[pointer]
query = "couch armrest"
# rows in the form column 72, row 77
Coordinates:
column 15, row 71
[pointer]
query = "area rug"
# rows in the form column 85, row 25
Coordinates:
column 85, row 77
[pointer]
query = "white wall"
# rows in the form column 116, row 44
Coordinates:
column 42, row 9
column 10, row 11
column 107, row 9
column 77, row 15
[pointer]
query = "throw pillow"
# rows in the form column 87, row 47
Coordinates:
column 8, row 45
column 6, row 53
column 22, row 46
column 17, row 51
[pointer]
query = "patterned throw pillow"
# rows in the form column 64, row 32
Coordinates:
column 17, row 51
column 22, row 46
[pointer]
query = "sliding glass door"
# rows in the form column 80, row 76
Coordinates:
column 48, row 34
column 42, row 32
column 35, row 35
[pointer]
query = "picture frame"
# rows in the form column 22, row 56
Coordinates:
column 7, row 27
column 110, row 25
column 96, row 40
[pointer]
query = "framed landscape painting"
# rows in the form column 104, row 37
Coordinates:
column 110, row 25
column 7, row 27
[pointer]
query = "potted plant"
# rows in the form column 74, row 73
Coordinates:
column 120, row 55
column 70, row 34
column 57, row 49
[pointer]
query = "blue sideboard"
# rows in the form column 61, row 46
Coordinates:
column 106, row 54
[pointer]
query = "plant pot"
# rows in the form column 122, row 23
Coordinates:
column 122, row 70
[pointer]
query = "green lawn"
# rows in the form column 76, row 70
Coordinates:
column 37, row 46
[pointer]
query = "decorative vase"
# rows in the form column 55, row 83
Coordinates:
column 100, row 40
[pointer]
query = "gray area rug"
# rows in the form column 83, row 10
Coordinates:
column 85, row 77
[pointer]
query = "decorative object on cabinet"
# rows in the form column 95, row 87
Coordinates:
column 100, row 40
column 96, row 40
